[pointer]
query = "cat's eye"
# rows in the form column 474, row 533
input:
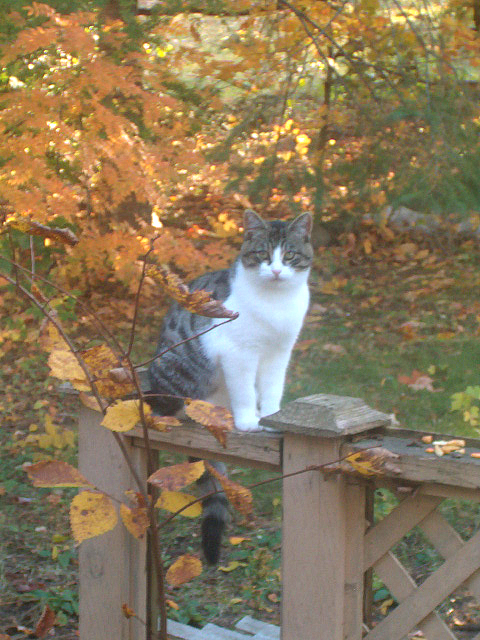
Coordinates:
column 289, row 255
column 263, row 255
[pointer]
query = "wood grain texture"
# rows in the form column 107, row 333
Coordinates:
column 260, row 450
column 112, row 566
column 326, row 415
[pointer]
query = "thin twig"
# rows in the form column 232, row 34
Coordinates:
column 178, row 344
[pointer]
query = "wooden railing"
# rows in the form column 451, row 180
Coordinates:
column 330, row 543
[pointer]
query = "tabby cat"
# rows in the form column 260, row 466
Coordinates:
column 240, row 365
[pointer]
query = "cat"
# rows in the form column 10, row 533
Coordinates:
column 240, row 365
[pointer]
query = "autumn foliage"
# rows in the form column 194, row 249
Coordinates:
column 131, row 144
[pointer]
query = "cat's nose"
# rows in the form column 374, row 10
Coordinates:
column 276, row 272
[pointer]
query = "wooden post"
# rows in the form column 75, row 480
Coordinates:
column 323, row 520
column 112, row 566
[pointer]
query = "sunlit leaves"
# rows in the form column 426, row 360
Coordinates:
column 177, row 476
column 199, row 302
column 183, row 570
column 91, row 514
column 55, row 473
column 29, row 226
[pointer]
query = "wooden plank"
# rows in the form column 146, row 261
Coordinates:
column 454, row 571
column 325, row 416
column 314, row 521
column 386, row 533
column 415, row 465
column 112, row 566
column 400, row 584
column 261, row 450
column 355, row 500
column 250, row 625
column 447, row 491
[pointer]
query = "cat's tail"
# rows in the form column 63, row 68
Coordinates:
column 215, row 513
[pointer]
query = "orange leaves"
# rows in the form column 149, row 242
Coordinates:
column 183, row 570
column 177, row 476
column 135, row 519
column 26, row 225
column 418, row 381
column 55, row 473
column 199, row 302
column 45, row 623
column 91, row 514
column 217, row 420
column 240, row 497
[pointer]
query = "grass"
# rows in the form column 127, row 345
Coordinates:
column 373, row 322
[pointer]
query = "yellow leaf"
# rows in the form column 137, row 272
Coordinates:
column 123, row 415
column 237, row 540
column 183, row 570
column 64, row 365
column 56, row 473
column 234, row 564
column 375, row 461
column 135, row 519
column 174, row 500
column 91, row 514
column 111, row 380
column 172, row 604
column 177, row 476
column 386, row 604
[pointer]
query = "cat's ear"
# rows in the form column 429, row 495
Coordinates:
column 302, row 225
column 252, row 221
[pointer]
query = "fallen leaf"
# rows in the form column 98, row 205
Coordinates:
column 237, row 540
column 46, row 622
column 418, row 381
column 375, row 461
column 183, row 570
column 231, row 566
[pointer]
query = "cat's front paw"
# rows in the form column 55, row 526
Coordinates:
column 248, row 426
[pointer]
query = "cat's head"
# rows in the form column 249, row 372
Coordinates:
column 277, row 251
